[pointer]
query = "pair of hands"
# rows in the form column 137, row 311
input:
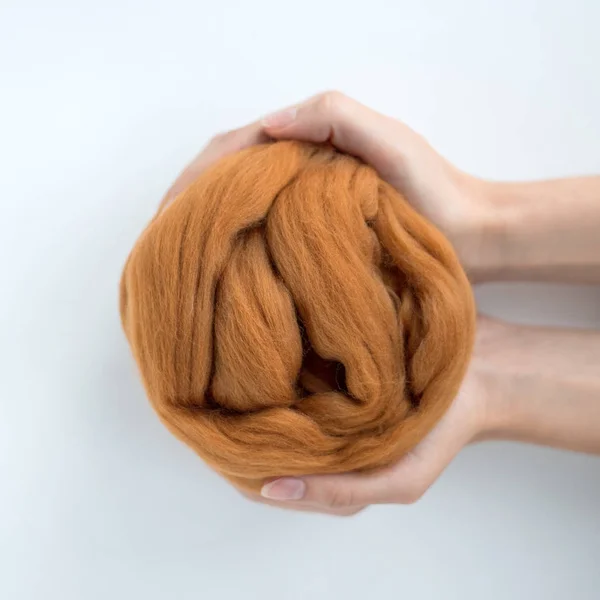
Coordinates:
column 455, row 203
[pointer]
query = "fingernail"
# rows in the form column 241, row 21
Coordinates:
column 280, row 119
column 284, row 489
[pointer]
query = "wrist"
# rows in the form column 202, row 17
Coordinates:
column 538, row 385
column 495, row 380
column 479, row 236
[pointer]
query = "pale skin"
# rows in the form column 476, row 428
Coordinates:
column 533, row 384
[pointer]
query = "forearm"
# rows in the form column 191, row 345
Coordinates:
column 540, row 231
column 543, row 384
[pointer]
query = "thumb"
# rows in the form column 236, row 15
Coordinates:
column 402, row 483
column 350, row 126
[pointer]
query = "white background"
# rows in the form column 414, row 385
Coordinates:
column 101, row 104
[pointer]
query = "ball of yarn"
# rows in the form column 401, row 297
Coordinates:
column 291, row 314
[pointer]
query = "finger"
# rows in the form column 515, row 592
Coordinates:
column 331, row 492
column 348, row 125
column 403, row 483
column 220, row 146
column 303, row 507
column 238, row 139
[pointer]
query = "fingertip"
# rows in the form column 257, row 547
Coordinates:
column 286, row 488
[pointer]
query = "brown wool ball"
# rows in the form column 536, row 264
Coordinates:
column 291, row 314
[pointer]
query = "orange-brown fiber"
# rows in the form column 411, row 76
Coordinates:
column 291, row 314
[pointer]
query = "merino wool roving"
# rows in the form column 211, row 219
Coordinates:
column 291, row 314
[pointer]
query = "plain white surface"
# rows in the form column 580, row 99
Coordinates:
column 101, row 104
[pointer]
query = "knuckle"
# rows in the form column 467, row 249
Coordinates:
column 410, row 495
column 338, row 497
column 331, row 101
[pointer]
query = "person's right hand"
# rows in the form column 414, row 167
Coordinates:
column 452, row 200
column 474, row 414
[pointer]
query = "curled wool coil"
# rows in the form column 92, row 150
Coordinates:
column 291, row 314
